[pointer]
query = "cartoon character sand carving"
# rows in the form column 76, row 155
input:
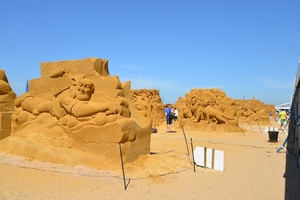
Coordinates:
column 80, row 101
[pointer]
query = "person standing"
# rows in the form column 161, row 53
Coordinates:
column 175, row 115
column 168, row 117
column 271, row 115
column 282, row 117
column 287, row 120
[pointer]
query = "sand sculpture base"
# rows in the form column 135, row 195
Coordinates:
column 188, row 125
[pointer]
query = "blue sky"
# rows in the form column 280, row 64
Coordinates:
column 246, row 48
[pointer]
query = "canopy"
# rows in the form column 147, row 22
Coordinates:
column 285, row 106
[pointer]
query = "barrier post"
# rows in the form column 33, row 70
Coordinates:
column 125, row 186
column 187, row 148
column 193, row 155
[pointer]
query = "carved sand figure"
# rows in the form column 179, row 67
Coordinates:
column 141, row 102
column 79, row 102
column 254, row 111
column 192, row 107
column 149, row 104
column 199, row 114
column 203, row 107
column 230, row 117
column 7, row 97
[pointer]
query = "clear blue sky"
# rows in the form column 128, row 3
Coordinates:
column 246, row 48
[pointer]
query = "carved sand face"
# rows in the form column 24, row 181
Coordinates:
column 193, row 100
column 85, row 89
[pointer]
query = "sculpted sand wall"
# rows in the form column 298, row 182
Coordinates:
column 212, row 110
column 77, row 105
column 254, row 111
column 7, row 97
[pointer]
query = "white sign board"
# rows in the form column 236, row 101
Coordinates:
column 210, row 158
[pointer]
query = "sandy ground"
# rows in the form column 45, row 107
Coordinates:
column 252, row 171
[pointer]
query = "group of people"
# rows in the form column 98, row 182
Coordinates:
column 171, row 115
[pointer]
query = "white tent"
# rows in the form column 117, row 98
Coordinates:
column 285, row 106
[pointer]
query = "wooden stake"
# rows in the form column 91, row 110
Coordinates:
column 187, row 148
column 193, row 155
column 125, row 186
column 259, row 126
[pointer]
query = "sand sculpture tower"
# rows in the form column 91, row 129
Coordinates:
column 7, row 97
column 149, row 104
column 78, row 100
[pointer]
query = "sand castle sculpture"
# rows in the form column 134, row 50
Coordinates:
column 149, row 104
column 78, row 105
column 7, row 97
column 211, row 109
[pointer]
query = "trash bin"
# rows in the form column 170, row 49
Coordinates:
column 273, row 136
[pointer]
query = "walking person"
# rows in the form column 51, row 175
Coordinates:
column 271, row 116
column 287, row 120
column 282, row 117
column 168, row 117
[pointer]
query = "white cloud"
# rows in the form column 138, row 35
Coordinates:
column 134, row 68
column 275, row 84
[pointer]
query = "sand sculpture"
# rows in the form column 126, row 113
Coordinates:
column 254, row 111
column 212, row 110
column 149, row 104
column 7, row 97
column 76, row 105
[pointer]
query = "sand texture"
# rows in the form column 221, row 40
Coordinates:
column 252, row 171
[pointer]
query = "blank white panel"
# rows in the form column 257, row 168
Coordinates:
column 218, row 160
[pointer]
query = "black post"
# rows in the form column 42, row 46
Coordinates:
column 125, row 187
column 187, row 147
column 193, row 155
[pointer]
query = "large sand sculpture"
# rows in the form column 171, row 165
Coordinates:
column 7, row 97
column 204, row 109
column 75, row 111
column 212, row 110
column 254, row 111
